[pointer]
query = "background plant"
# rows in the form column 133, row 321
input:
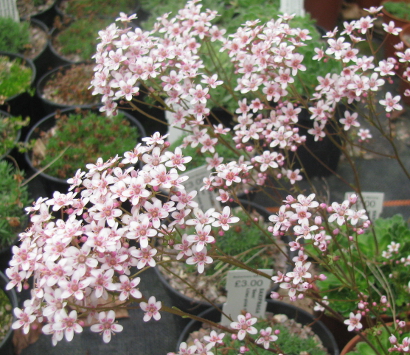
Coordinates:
column 66, row 39
column 13, row 198
column 9, row 128
column 14, row 36
column 69, row 86
column 15, row 77
column 88, row 136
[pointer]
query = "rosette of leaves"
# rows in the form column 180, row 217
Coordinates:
column 380, row 274
column 87, row 136
column 77, row 41
column 14, row 36
column 15, row 77
column 400, row 9
column 13, row 198
column 69, row 86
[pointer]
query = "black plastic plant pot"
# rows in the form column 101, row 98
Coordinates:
column 326, row 153
column 51, row 183
column 57, row 58
column 196, row 306
column 6, row 344
column 51, row 106
column 46, row 15
column 275, row 307
column 19, row 104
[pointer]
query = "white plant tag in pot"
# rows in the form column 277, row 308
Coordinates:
column 246, row 291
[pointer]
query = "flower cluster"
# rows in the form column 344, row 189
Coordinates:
column 83, row 247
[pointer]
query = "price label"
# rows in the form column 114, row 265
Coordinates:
column 373, row 203
column 205, row 198
column 292, row 7
column 246, row 291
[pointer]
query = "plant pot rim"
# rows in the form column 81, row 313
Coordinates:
column 405, row 30
column 44, row 28
column 395, row 18
column 354, row 341
column 43, row 80
column 284, row 308
column 54, row 32
column 203, row 304
column 52, row 3
column 27, row 155
column 14, row 303
column 25, row 61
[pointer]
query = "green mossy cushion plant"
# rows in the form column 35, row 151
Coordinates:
column 15, row 77
column 78, row 40
column 87, row 136
column 14, row 36
column 13, row 199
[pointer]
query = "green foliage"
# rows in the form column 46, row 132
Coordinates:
column 69, row 86
column 13, row 198
column 112, row 8
column 9, row 128
column 400, row 9
column 376, row 275
column 89, row 136
column 14, row 36
column 80, row 37
column 199, row 159
column 15, row 77
column 378, row 337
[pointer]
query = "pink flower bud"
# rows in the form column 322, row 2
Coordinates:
column 392, row 339
column 274, row 295
column 318, row 220
column 322, row 277
column 277, row 331
column 383, row 299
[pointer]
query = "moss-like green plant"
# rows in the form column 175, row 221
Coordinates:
column 15, row 77
column 386, row 274
column 106, row 8
column 400, row 9
column 9, row 128
column 6, row 315
column 13, row 198
column 88, row 136
column 79, row 39
column 69, row 86
column 14, row 36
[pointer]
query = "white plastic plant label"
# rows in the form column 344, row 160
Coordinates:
column 292, row 7
column 246, row 291
column 205, row 198
column 373, row 203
